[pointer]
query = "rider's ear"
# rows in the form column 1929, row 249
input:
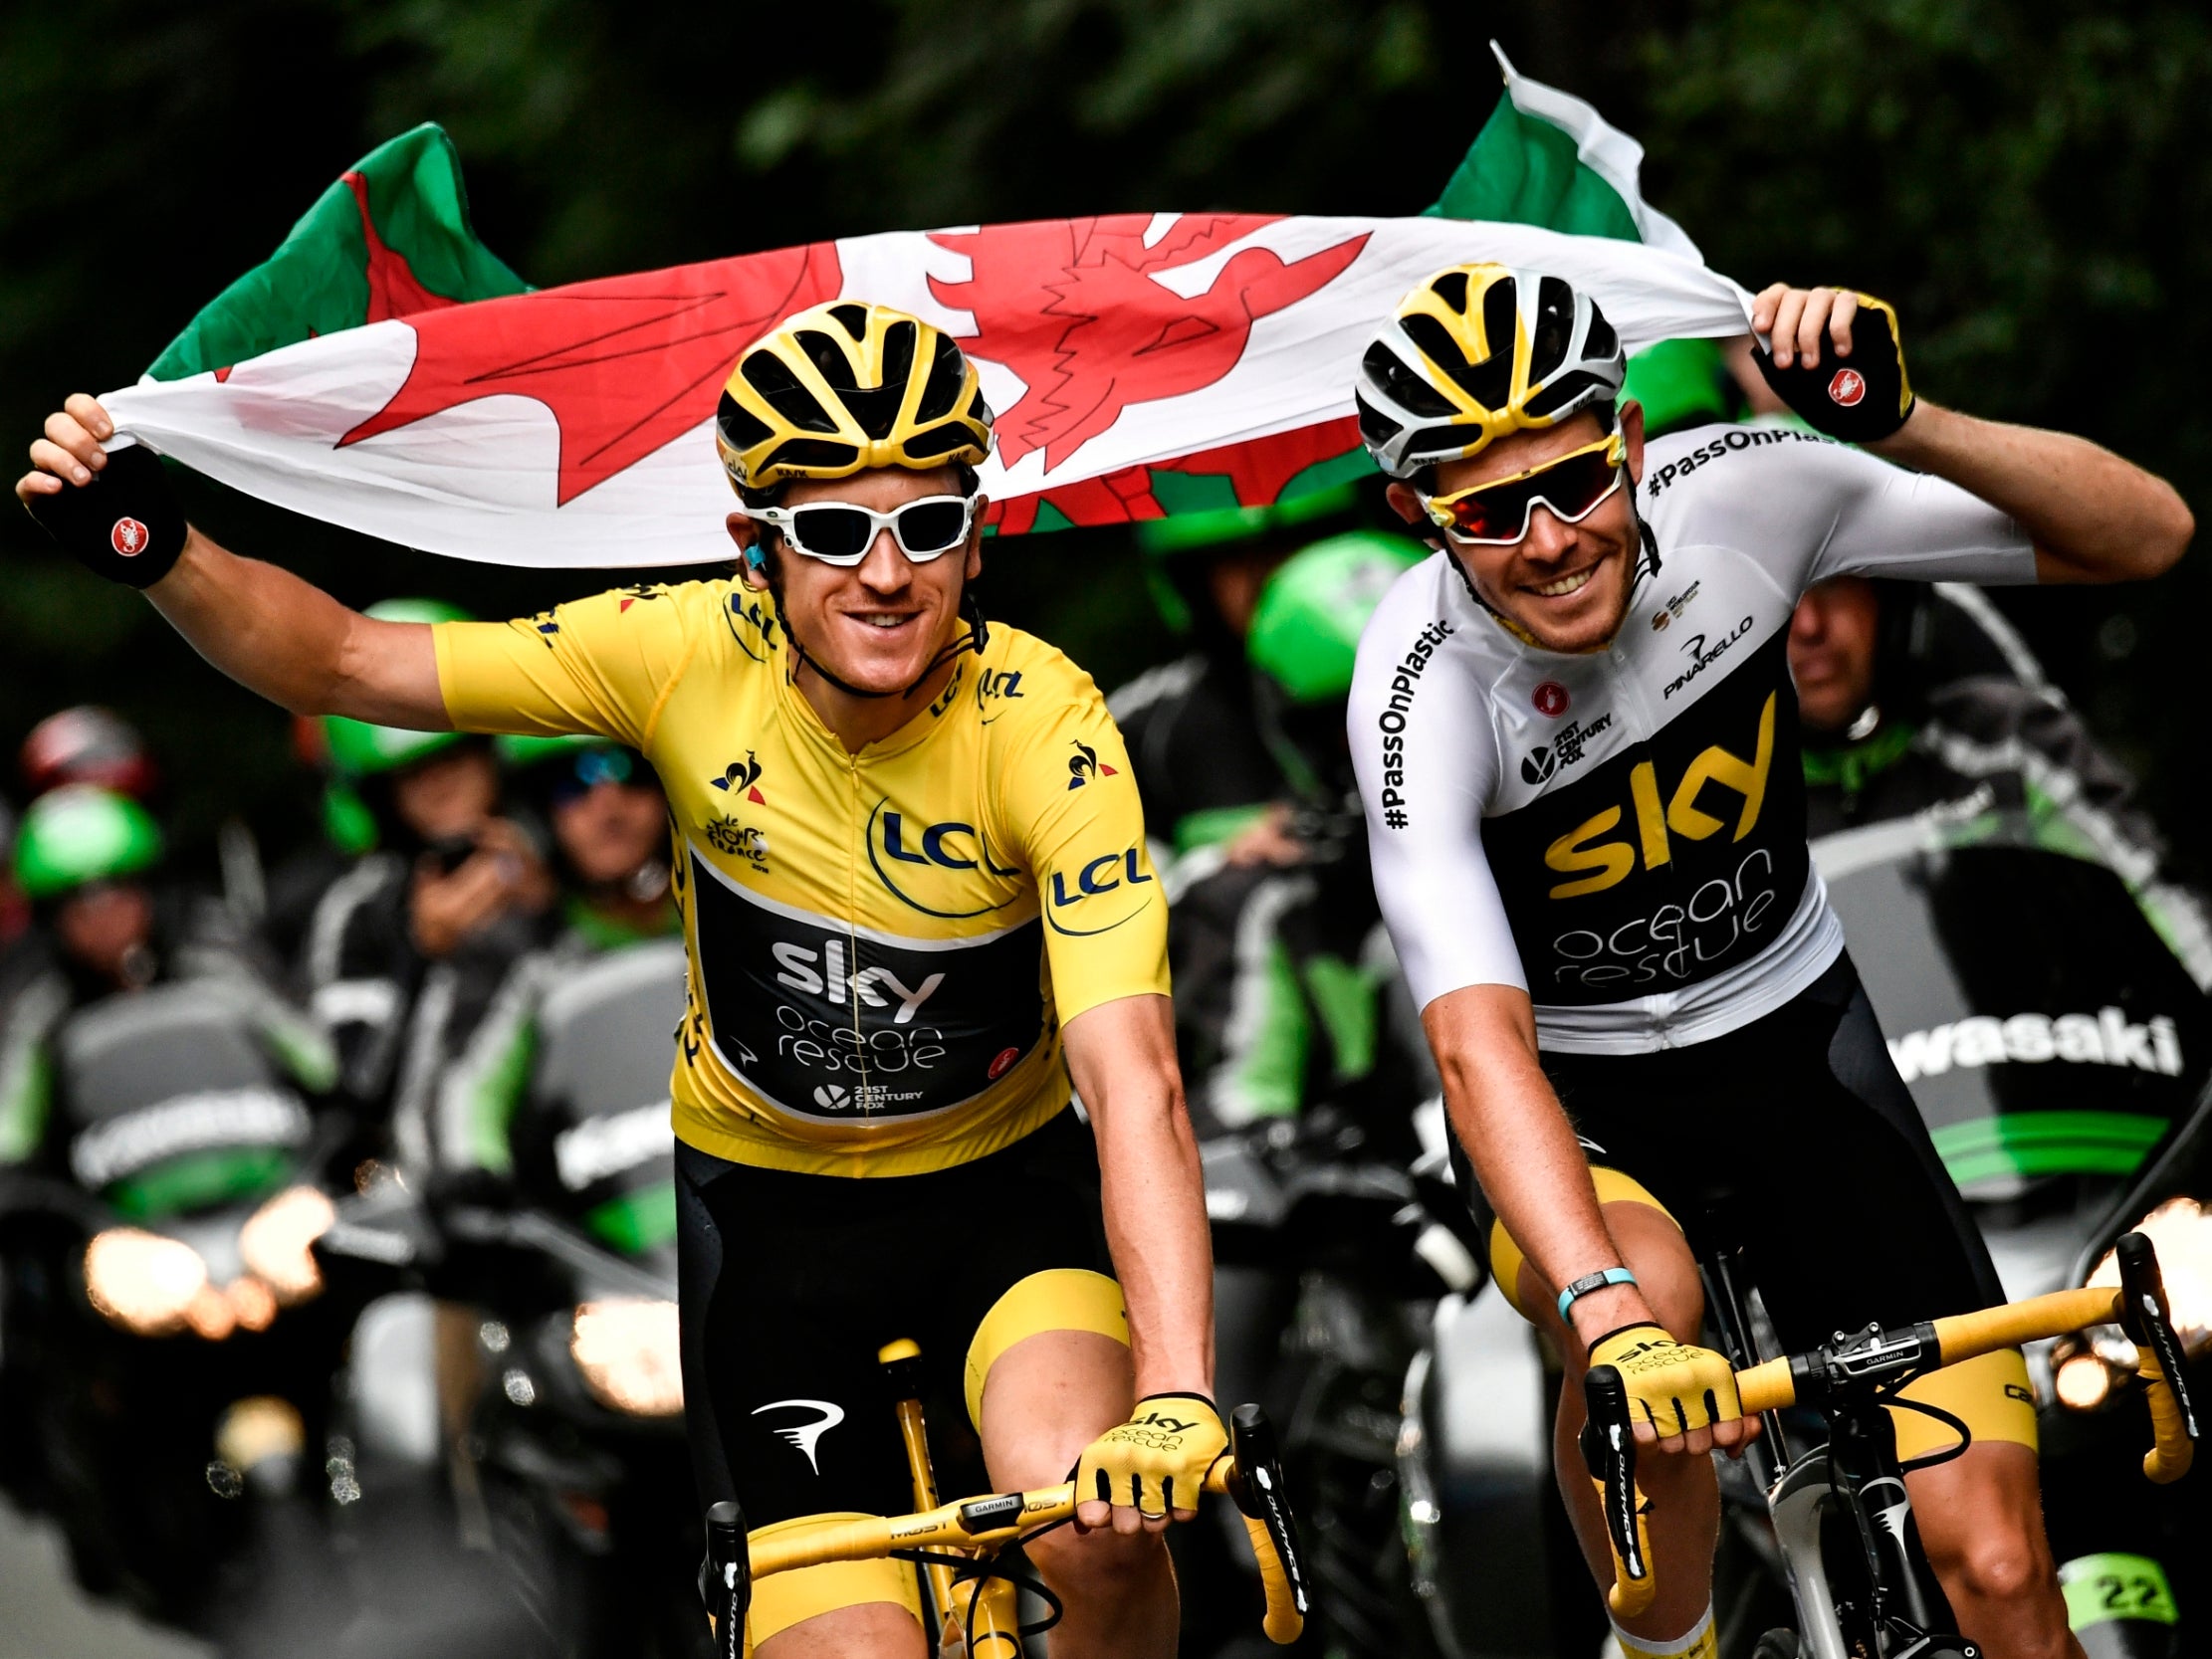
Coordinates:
column 751, row 556
column 1632, row 435
column 1403, row 502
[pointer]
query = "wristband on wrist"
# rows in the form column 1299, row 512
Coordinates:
column 126, row 525
column 1592, row 1282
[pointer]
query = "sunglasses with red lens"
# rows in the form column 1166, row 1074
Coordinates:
column 1498, row 514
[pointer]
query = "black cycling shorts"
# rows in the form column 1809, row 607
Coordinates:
column 1794, row 1139
column 792, row 1283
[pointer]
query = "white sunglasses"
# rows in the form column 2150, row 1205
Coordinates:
column 840, row 534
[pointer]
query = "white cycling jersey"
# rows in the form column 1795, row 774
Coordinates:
column 1623, row 833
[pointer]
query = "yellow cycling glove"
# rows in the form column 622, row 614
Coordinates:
column 1157, row 1461
column 1670, row 1386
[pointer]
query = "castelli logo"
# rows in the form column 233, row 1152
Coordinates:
column 1551, row 700
column 128, row 538
column 1005, row 1061
column 1848, row 387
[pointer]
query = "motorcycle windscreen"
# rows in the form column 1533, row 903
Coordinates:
column 172, row 1106
column 2043, row 1027
column 593, row 1142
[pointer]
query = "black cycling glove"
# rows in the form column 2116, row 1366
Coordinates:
column 125, row 524
column 1860, row 398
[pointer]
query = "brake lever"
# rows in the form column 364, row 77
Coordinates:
column 730, row 1578
column 1257, row 1488
column 2148, row 1325
column 1609, row 1452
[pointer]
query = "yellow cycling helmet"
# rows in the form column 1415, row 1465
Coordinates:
column 1475, row 352
column 844, row 387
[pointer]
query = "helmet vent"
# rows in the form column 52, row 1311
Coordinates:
column 1490, row 382
column 1451, row 289
column 1400, row 385
column 1601, row 341
column 938, row 440
column 1376, row 427
column 852, row 318
column 766, row 375
column 897, row 356
column 948, row 373
column 1501, row 303
column 828, row 358
column 1555, row 330
column 810, row 452
column 1563, row 391
column 740, row 429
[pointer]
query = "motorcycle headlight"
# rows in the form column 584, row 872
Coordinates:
column 628, row 1353
column 274, row 1243
column 145, row 1283
column 2088, row 1367
column 2180, row 1229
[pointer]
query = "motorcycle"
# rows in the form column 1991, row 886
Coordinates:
column 2060, row 1055
column 168, row 1337
column 558, row 1420
column 1332, row 1245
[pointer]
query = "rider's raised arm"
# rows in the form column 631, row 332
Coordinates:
column 264, row 627
column 2090, row 515
column 2093, row 517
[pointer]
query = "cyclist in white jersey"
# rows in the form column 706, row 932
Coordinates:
column 1578, row 746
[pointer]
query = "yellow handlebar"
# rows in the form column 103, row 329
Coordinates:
column 1771, row 1388
column 1007, row 1516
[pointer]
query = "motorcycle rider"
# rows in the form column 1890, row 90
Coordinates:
column 1281, row 959
column 1555, row 719
column 414, row 940
column 840, row 655
column 608, row 822
column 1208, row 782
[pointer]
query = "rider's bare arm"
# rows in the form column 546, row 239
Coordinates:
column 1524, row 1151
column 264, row 627
column 2093, row 517
column 1121, row 1057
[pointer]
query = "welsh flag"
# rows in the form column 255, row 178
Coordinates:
column 384, row 372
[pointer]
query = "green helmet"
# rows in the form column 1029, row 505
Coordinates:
column 1168, row 542
column 1306, row 630
column 1680, row 383
column 360, row 749
column 83, row 833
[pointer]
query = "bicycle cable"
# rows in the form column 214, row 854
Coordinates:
column 969, row 1569
column 1893, row 1398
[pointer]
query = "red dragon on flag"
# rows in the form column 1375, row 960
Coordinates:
column 1075, row 309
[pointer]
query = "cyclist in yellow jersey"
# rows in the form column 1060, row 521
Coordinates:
column 912, row 867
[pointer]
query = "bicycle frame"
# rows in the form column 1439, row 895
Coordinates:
column 1854, row 1484
column 1854, row 1478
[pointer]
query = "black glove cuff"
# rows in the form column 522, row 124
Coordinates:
column 1861, row 398
column 126, row 525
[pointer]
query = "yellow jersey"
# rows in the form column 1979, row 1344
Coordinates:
column 885, row 945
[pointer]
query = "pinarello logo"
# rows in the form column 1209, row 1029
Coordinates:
column 1002, row 1064
column 1550, row 698
column 128, row 538
column 1848, row 387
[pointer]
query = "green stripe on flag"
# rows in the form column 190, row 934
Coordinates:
column 390, row 237
column 1545, row 157
column 2046, row 1143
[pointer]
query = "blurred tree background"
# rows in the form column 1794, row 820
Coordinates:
column 2026, row 178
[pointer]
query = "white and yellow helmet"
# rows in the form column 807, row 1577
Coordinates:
column 1475, row 352
column 844, row 387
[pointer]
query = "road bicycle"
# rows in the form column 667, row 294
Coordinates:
column 1841, row 1516
column 973, row 1594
